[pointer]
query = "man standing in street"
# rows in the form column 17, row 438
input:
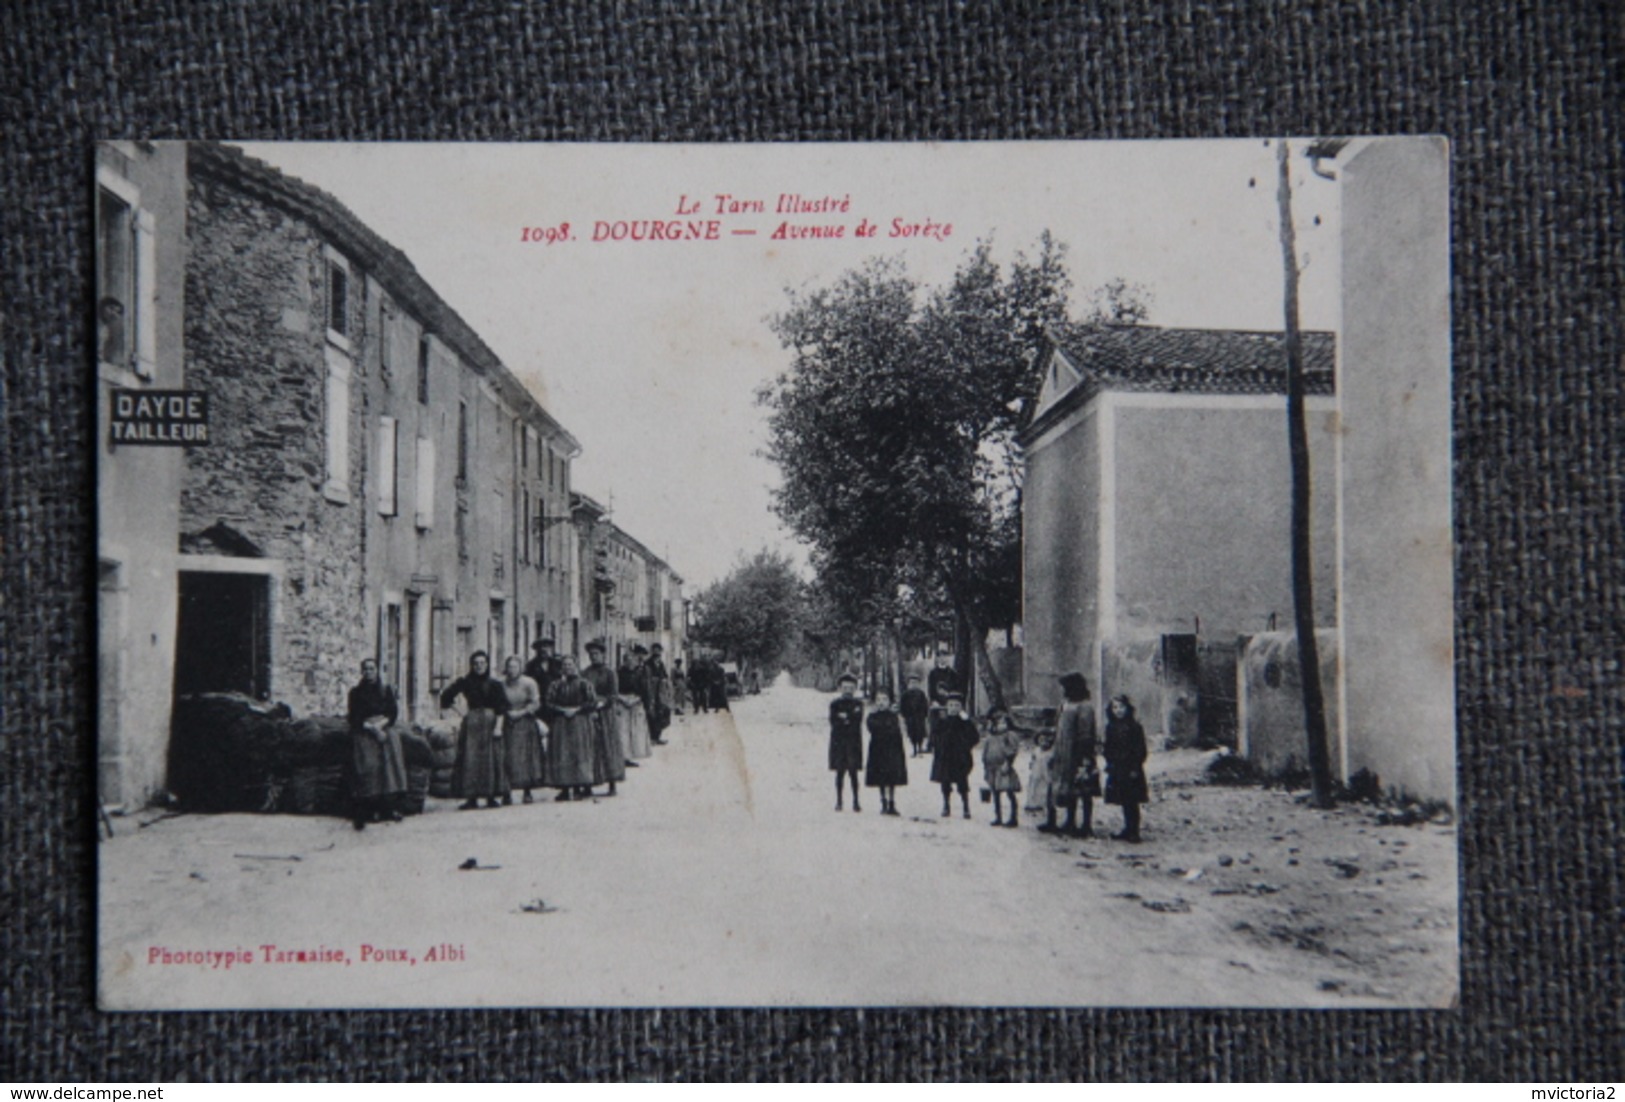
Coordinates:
column 658, row 695
column 939, row 686
column 544, row 668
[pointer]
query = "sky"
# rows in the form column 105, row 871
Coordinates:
column 651, row 351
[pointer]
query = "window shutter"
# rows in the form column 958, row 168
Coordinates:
column 425, row 484
column 386, row 466
column 146, row 290
column 338, row 428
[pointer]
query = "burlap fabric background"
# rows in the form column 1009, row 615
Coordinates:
column 1530, row 100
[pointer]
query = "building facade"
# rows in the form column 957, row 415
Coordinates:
column 627, row 595
column 378, row 484
column 140, row 266
column 1155, row 516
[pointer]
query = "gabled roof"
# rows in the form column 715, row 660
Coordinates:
column 389, row 265
column 1087, row 360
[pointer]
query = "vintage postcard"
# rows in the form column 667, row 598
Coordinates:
column 969, row 574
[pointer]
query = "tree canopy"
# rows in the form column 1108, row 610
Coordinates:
column 754, row 614
column 894, row 428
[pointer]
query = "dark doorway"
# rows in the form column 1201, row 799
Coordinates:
column 1216, row 693
column 1178, row 673
column 223, row 638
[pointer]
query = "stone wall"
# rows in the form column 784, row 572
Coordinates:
column 256, row 342
column 1271, row 724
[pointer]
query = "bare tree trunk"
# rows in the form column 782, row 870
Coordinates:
column 1303, row 592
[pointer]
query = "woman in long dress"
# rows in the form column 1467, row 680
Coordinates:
column 526, row 752
column 632, row 685
column 608, row 723
column 1074, row 773
column 379, row 765
column 482, row 767
column 570, row 705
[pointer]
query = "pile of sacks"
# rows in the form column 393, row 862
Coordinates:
column 232, row 753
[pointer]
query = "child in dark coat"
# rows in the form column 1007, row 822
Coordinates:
column 955, row 738
column 888, row 768
column 915, row 706
column 1125, row 765
column 846, row 738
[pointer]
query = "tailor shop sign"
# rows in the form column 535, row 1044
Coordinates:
column 160, row 418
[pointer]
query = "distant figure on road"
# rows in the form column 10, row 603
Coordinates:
column 717, row 683
column 658, row 695
column 956, row 739
column 938, row 686
column 888, row 768
column 525, row 751
column 482, row 765
column 380, row 767
column 916, row 707
column 679, row 688
column 846, row 738
column 699, row 685
column 1125, row 765
column 999, row 767
column 1073, row 774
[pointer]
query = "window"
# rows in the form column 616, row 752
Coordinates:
column 425, row 483
column 338, row 299
column 462, row 442
column 541, row 529
column 337, row 487
column 524, row 527
column 423, row 369
column 386, row 342
column 126, row 277
column 388, row 431
column 462, row 532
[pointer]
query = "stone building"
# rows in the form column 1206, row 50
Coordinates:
column 140, row 264
column 378, row 483
column 1156, row 549
column 627, row 595
column 1155, row 516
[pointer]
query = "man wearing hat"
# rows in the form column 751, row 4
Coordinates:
column 942, row 681
column 658, row 698
column 915, row 706
column 543, row 668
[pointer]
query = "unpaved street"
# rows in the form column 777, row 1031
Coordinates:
column 722, row 875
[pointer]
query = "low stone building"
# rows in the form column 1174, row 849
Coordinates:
column 627, row 595
column 379, row 483
column 1155, row 516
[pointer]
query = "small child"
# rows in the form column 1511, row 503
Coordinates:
column 915, row 706
column 999, row 767
column 887, row 769
column 846, row 738
column 955, row 738
column 1038, row 793
column 1125, row 765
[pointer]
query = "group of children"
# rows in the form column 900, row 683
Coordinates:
column 1065, row 769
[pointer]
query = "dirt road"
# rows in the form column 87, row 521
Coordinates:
column 722, row 876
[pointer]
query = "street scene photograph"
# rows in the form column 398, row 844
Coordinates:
column 967, row 574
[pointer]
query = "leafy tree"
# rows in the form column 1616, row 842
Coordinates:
column 895, row 427
column 754, row 614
